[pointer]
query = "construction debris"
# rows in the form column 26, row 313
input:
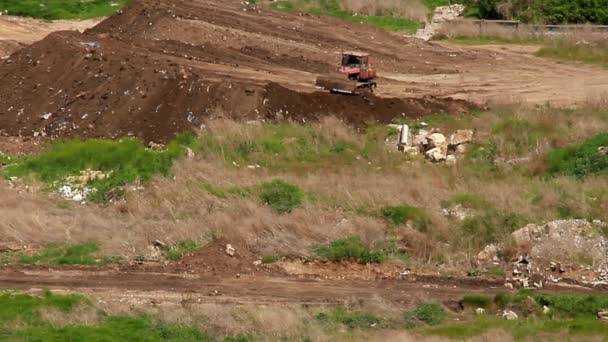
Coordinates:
column 230, row 250
column 434, row 145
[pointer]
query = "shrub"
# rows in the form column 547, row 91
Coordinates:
column 349, row 249
column 490, row 227
column 477, row 301
column 282, row 197
column 351, row 318
column 580, row 160
column 429, row 313
column 400, row 215
column 180, row 249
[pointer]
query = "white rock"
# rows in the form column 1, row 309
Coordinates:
column 461, row 137
column 189, row 152
column 450, row 160
column 230, row 250
column 509, row 286
column 404, row 135
column 436, row 140
column 438, row 153
column 546, row 309
column 480, row 311
column 419, row 140
column 461, row 149
column 509, row 315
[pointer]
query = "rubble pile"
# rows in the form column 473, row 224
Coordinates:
column 562, row 249
column 434, row 145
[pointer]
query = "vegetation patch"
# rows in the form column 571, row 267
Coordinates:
column 477, row 301
column 334, row 9
column 61, row 9
column 470, row 201
column 57, row 253
column 401, row 215
column 177, row 251
column 429, row 313
column 580, row 160
column 350, row 318
column 349, row 249
column 124, row 161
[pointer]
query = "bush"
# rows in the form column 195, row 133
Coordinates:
column 580, row 160
column 349, row 249
column 61, row 9
column 477, row 301
column 400, row 215
column 490, row 227
column 180, row 249
column 431, row 314
column 282, row 197
column 351, row 318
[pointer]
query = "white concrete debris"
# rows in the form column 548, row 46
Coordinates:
column 230, row 250
column 509, row 315
column 434, row 145
column 440, row 16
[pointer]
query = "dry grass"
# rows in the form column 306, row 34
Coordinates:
column 408, row 9
column 347, row 195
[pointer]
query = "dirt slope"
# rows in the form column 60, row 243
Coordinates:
column 160, row 68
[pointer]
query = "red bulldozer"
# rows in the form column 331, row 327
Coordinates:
column 355, row 76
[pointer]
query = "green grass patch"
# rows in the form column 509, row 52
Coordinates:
column 349, row 249
column 477, row 301
column 490, row 226
column 350, row 318
column 470, row 201
column 127, row 160
column 177, row 251
column 269, row 259
column 580, row 160
column 61, row 9
column 281, row 196
column 403, row 214
column 26, row 308
column 569, row 52
column 432, row 4
column 57, row 253
column 562, row 306
column 429, row 313
column 332, row 8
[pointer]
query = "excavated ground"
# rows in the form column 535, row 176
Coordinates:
column 160, row 68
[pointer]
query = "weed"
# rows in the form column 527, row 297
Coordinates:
column 350, row 318
column 429, row 313
column 349, row 248
column 491, row 226
column 180, row 249
column 470, row 201
column 401, row 215
column 580, row 160
column 61, row 9
column 56, row 253
column 477, row 301
column 224, row 193
column 269, row 259
column 282, row 197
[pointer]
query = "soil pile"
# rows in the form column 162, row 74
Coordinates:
column 157, row 69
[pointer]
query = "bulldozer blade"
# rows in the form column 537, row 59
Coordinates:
column 336, row 84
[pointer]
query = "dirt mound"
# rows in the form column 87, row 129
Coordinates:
column 157, row 69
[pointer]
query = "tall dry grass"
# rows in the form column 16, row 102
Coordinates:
column 408, row 9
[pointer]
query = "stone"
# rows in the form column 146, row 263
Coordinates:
column 436, row 140
column 523, row 236
column 603, row 315
column 546, row 310
column 509, row 315
column 488, row 253
column 257, row 263
column 230, row 250
column 450, row 159
column 404, row 135
column 462, row 136
column 189, row 152
column 438, row 153
column 603, row 150
column 509, row 286
column 461, row 149
column 480, row 311
column 419, row 140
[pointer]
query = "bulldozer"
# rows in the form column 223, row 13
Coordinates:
column 354, row 76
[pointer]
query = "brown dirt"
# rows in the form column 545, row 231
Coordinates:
column 133, row 74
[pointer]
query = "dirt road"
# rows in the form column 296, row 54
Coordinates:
column 144, row 287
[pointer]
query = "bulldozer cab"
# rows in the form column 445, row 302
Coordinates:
column 354, row 60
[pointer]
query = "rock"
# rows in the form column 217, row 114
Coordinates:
column 603, row 150
column 546, row 309
column 437, row 154
column 524, row 236
column 509, row 315
column 257, row 263
column 450, row 160
column 480, row 311
column 488, row 253
column 509, row 286
column 230, row 250
column 159, row 244
column 404, row 135
column 463, row 136
column 436, row 140
column 419, row 140
column 190, row 153
column 461, row 149
column 603, row 315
